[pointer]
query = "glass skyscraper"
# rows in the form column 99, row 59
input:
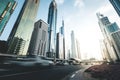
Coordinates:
column 52, row 21
column 63, row 33
column 116, row 5
column 107, row 28
column 24, row 28
column 6, row 9
column 112, row 28
column 115, row 36
column 59, row 46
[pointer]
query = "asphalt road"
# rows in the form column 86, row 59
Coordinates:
column 80, row 74
column 54, row 73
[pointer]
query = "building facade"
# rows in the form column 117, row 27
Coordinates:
column 6, row 9
column 73, row 46
column 116, row 5
column 52, row 21
column 115, row 39
column 78, row 49
column 38, row 43
column 107, row 28
column 104, row 51
column 59, row 46
column 25, row 26
column 62, row 31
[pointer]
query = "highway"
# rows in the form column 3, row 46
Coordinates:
column 53, row 73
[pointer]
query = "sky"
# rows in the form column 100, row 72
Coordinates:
column 78, row 15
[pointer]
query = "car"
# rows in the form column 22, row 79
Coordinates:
column 29, row 61
column 63, row 63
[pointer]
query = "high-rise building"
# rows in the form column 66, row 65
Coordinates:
column 52, row 21
column 104, row 51
column 113, row 27
column 38, row 43
column 62, row 28
column 6, row 9
column 63, row 34
column 14, row 29
column 25, row 26
column 59, row 46
column 78, row 49
column 106, row 28
column 73, row 46
column 116, row 5
column 115, row 39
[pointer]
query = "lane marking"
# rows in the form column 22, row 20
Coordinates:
column 73, row 76
column 76, row 72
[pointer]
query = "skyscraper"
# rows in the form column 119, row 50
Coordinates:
column 104, row 51
column 6, row 9
column 113, row 27
column 25, row 26
column 73, row 46
column 116, row 5
column 78, row 49
column 59, row 46
column 63, row 34
column 52, row 21
column 62, row 28
column 39, row 39
column 106, row 28
column 115, row 39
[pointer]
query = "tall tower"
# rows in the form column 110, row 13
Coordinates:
column 52, row 21
column 6, row 9
column 116, row 5
column 22, row 36
column 73, row 46
column 63, row 33
column 62, row 28
column 59, row 46
column 107, row 28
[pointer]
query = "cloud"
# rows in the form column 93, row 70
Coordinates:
column 60, row 1
column 79, row 3
column 105, row 9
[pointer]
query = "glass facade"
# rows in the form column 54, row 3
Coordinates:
column 112, row 28
column 106, row 28
column 116, row 5
column 63, row 34
column 6, row 9
column 116, row 41
column 52, row 21
column 26, row 25
column 59, row 46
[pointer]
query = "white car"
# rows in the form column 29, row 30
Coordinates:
column 30, row 61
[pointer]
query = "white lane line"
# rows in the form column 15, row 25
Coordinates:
column 73, row 76
column 76, row 72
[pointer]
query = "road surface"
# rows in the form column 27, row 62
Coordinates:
column 54, row 73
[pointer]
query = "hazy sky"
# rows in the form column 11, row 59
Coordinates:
column 80, row 16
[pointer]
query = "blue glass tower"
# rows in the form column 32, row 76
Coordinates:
column 6, row 9
column 22, row 31
column 116, row 5
column 52, row 21
column 107, row 28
